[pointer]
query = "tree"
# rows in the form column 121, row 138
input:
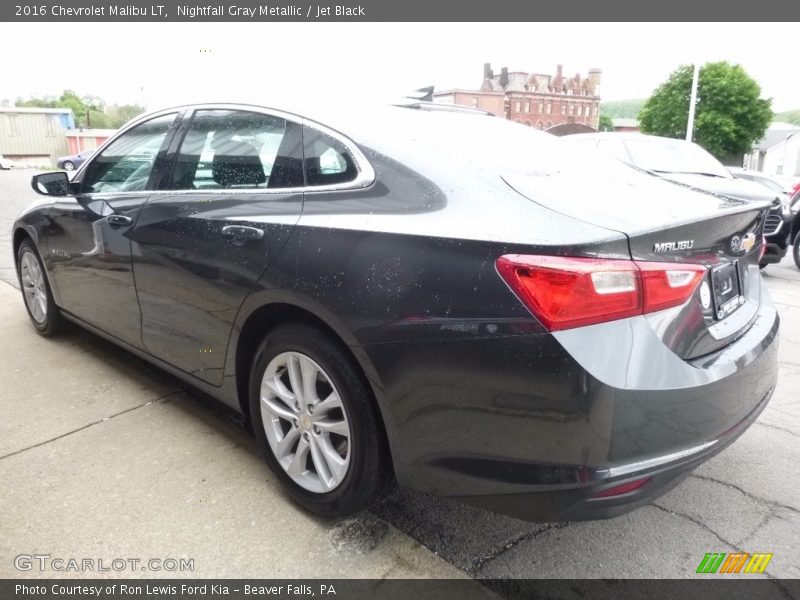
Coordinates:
column 89, row 111
column 606, row 123
column 729, row 116
column 622, row 109
column 121, row 114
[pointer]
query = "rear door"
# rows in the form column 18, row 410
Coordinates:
column 227, row 206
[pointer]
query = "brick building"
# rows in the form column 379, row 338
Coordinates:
column 535, row 99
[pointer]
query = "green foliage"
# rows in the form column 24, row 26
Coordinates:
column 122, row 113
column 89, row 111
column 622, row 109
column 606, row 123
column 730, row 115
column 789, row 116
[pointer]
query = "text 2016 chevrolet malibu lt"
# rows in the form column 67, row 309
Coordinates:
column 418, row 294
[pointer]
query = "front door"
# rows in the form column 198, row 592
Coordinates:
column 89, row 255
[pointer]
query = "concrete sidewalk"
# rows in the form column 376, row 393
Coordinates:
column 104, row 457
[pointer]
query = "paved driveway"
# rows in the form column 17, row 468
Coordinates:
column 102, row 455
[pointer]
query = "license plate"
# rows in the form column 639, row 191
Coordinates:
column 727, row 289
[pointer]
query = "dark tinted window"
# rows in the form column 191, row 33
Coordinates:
column 126, row 164
column 327, row 161
column 231, row 149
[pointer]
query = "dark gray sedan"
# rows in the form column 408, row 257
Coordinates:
column 417, row 294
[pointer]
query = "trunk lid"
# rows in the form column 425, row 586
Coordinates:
column 668, row 222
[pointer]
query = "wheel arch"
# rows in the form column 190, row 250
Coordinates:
column 794, row 228
column 20, row 233
column 259, row 319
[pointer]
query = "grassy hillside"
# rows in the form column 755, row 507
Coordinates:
column 789, row 116
column 622, row 109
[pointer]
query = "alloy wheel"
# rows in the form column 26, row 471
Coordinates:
column 33, row 286
column 305, row 422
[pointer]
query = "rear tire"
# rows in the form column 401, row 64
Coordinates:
column 317, row 423
column 36, row 292
column 796, row 250
column 69, row 165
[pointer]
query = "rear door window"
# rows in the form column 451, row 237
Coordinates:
column 238, row 150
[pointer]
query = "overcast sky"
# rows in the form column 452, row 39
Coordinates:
column 162, row 64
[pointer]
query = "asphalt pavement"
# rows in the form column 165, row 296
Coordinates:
column 104, row 456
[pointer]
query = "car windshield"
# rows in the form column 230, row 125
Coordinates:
column 673, row 156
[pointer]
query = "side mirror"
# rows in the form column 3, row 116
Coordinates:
column 55, row 183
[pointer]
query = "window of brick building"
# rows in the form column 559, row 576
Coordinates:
column 474, row 103
column 549, row 107
column 541, row 107
column 517, row 106
column 528, row 108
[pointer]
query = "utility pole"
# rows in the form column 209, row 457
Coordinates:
column 692, row 102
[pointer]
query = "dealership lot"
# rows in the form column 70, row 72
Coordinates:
column 103, row 456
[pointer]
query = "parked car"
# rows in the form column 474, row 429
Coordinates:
column 6, row 163
column 794, row 203
column 70, row 163
column 688, row 164
column 781, row 186
column 500, row 323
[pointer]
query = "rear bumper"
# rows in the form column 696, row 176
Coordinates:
column 774, row 252
column 581, row 503
column 534, row 425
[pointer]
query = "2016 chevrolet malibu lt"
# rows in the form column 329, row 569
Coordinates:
column 417, row 294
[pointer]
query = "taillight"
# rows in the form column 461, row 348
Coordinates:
column 566, row 292
column 622, row 489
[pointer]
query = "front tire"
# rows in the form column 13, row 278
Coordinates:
column 36, row 292
column 316, row 422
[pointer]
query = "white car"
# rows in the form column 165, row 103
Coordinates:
column 6, row 163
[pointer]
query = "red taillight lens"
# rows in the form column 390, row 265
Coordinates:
column 566, row 292
column 667, row 285
column 623, row 488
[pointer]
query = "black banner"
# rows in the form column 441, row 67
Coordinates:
column 265, row 11
column 700, row 588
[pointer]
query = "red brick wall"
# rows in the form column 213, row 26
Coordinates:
column 537, row 114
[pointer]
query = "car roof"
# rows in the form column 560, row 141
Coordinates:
column 328, row 113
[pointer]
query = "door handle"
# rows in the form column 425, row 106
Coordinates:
column 119, row 220
column 242, row 232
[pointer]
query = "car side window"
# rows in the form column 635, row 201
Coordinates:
column 233, row 149
column 125, row 165
column 327, row 161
